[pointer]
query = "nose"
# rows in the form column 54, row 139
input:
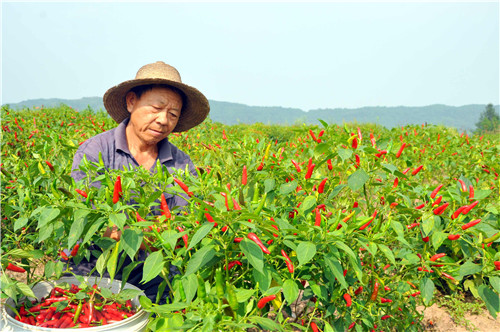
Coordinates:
column 162, row 118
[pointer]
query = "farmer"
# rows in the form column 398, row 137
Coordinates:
column 147, row 109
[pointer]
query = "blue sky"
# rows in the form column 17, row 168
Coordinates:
column 303, row 55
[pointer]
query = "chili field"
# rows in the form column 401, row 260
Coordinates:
column 331, row 228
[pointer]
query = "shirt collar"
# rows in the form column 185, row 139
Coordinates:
column 164, row 146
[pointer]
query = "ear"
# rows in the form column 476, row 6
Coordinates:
column 131, row 99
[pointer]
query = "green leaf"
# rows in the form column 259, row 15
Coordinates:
column 20, row 223
column 253, row 254
column 336, row 191
column 128, row 294
column 469, row 268
column 145, row 302
column 390, row 168
column 357, row 180
column 48, row 214
column 131, row 242
column 491, row 300
column 398, row 228
column 170, row 236
column 337, row 271
column 200, row 234
column 101, row 262
column 264, row 278
column 309, row 203
column 77, row 227
column 190, row 285
column 322, row 148
column 438, row 239
column 345, row 154
column 427, row 225
column 118, row 219
column 495, row 283
column 199, row 259
column 25, row 289
column 305, row 252
column 93, row 229
column 153, row 265
column 288, row 187
column 427, row 290
column 244, row 294
column 266, row 323
column 387, row 252
column 269, row 185
column 290, row 290
column 45, row 232
column 471, row 286
column 346, row 249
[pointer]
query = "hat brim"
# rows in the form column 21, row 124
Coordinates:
column 195, row 106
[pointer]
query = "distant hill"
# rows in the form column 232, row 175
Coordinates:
column 460, row 117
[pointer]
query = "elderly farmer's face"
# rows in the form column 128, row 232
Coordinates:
column 154, row 115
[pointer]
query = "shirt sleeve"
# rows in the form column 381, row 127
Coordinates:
column 89, row 149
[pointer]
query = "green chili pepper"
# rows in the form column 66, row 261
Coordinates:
column 202, row 291
column 231, row 296
column 261, row 204
column 77, row 312
column 219, row 284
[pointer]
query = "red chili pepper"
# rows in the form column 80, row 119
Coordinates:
column 497, row 265
column 420, row 206
column 244, row 176
column 471, row 192
column 435, row 191
column 471, row 224
column 255, row 238
column 457, row 212
column 15, row 268
column 469, row 207
column 437, row 256
column 230, row 265
column 358, row 160
column 462, row 184
column 382, row 300
column 453, row 237
column 184, row 237
column 75, row 250
column 440, row 209
column 329, row 163
column 183, row 187
column 446, row 275
column 372, row 140
column 50, row 165
column 297, row 167
column 354, row 143
column 312, row 135
column 164, row 207
column 321, row 187
column 314, row 327
column 261, row 166
column 117, row 190
column 289, row 263
column 385, row 317
column 400, row 150
column 359, row 290
column 309, row 171
column 415, row 224
column 416, row 170
column 237, row 239
column 438, row 200
column 374, row 295
column 263, row 301
column 347, row 299
column 369, row 221
column 317, row 221
column 396, row 181
column 81, row 192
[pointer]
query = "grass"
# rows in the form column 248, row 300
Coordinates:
column 458, row 305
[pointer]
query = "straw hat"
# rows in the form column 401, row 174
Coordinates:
column 195, row 106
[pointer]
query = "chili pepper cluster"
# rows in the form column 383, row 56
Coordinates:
column 65, row 308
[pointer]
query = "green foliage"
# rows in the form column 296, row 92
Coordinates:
column 373, row 223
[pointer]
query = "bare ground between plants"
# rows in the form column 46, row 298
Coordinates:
column 436, row 318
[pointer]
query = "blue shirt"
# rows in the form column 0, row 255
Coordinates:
column 115, row 153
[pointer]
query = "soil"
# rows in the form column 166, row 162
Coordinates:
column 438, row 319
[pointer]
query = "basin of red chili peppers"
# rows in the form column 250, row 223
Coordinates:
column 68, row 306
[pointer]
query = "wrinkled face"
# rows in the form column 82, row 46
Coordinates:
column 154, row 116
